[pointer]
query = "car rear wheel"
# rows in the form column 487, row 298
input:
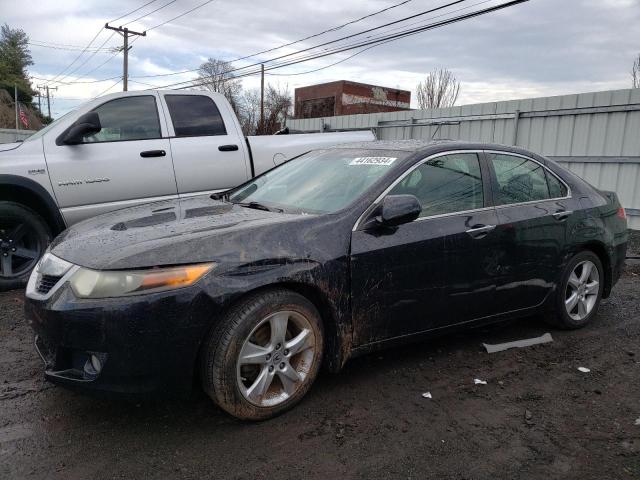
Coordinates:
column 24, row 236
column 264, row 355
column 580, row 291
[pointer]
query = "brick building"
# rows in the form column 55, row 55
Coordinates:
column 346, row 98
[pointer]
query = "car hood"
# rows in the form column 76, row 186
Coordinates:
column 192, row 230
column 9, row 146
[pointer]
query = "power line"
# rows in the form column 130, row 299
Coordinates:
column 87, row 59
column 152, row 11
column 94, row 39
column 132, row 11
column 105, row 91
column 79, row 81
column 379, row 40
column 425, row 12
column 181, row 15
column 340, row 39
column 71, row 48
column 382, row 43
column 78, row 57
column 332, row 29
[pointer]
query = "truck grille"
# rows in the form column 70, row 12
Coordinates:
column 46, row 283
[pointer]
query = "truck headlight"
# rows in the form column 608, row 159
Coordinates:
column 87, row 283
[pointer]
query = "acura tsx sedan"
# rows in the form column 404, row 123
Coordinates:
column 331, row 255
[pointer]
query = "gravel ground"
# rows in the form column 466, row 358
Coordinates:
column 538, row 416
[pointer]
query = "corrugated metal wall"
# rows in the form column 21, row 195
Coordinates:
column 8, row 135
column 596, row 135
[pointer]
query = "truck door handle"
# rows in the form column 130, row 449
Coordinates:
column 153, row 153
column 228, row 148
column 564, row 214
column 480, row 231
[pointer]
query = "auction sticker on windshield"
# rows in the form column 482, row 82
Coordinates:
column 373, row 161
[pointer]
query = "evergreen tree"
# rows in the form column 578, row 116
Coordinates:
column 15, row 57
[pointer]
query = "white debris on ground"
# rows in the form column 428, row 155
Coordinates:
column 546, row 338
column 477, row 381
column 584, row 369
column 638, row 421
column 427, row 395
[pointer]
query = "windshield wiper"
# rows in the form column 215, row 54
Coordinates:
column 259, row 206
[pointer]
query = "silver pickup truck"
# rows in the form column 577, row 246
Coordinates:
column 125, row 149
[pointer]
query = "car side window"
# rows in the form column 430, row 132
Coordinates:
column 447, row 184
column 127, row 118
column 195, row 115
column 556, row 188
column 519, row 180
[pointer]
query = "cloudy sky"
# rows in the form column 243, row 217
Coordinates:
column 538, row 48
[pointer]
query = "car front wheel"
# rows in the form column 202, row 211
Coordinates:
column 264, row 355
column 579, row 292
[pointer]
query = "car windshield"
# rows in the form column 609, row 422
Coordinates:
column 322, row 181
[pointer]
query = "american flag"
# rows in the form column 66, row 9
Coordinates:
column 23, row 116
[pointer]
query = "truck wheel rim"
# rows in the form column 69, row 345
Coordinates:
column 582, row 290
column 20, row 249
column 276, row 358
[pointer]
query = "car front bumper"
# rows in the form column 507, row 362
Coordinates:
column 143, row 344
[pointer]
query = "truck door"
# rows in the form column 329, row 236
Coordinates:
column 125, row 163
column 209, row 152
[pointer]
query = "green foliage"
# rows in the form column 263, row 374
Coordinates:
column 15, row 57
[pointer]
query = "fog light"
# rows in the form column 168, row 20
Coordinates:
column 96, row 363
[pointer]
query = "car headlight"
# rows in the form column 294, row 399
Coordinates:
column 87, row 283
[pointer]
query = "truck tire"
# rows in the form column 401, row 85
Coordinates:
column 24, row 236
column 264, row 355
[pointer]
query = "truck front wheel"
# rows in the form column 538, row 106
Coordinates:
column 24, row 236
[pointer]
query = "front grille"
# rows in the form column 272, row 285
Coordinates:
column 46, row 283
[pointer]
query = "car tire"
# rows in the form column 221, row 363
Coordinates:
column 252, row 358
column 24, row 237
column 579, row 292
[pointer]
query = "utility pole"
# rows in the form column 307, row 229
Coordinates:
column 15, row 95
column 262, row 99
column 47, row 87
column 126, row 33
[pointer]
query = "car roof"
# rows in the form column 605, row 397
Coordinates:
column 433, row 146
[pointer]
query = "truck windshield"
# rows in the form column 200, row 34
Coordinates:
column 44, row 130
column 322, row 181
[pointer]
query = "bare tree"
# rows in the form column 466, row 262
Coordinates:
column 439, row 90
column 216, row 76
column 635, row 72
column 277, row 108
column 249, row 114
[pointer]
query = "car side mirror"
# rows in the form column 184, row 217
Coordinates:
column 398, row 209
column 87, row 124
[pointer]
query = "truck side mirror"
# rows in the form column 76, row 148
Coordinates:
column 87, row 124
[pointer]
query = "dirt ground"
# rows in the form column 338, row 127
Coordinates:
column 538, row 417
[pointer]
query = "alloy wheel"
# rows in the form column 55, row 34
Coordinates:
column 583, row 287
column 276, row 358
column 20, row 249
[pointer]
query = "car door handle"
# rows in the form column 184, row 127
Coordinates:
column 562, row 215
column 480, row 231
column 228, row 148
column 153, row 153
